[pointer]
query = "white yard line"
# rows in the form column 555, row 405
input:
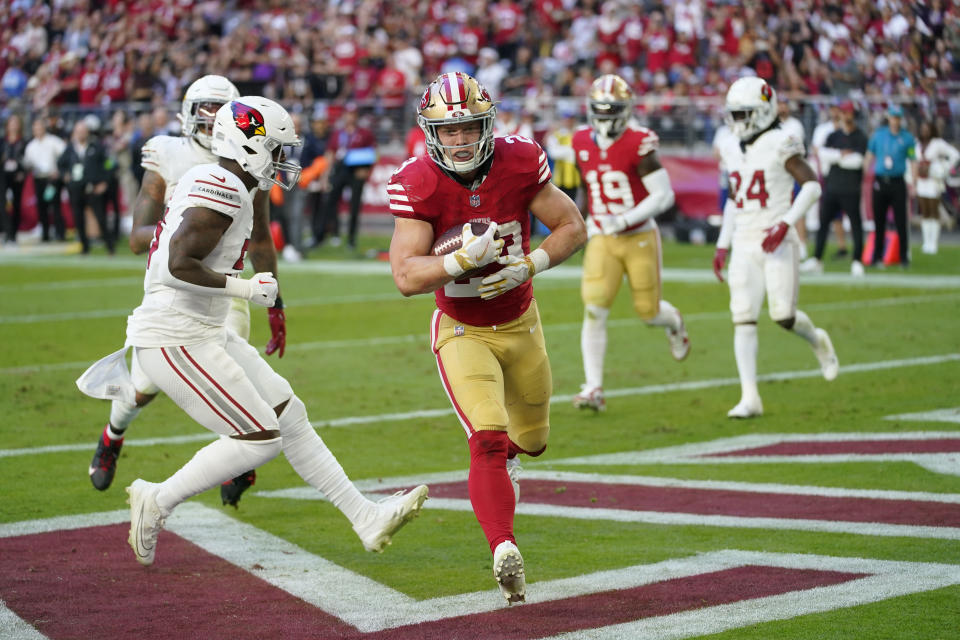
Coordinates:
column 561, row 398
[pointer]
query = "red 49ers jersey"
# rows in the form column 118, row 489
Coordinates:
column 420, row 190
column 610, row 175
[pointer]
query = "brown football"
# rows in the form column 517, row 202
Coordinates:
column 452, row 239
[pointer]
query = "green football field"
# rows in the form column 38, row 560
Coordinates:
column 358, row 355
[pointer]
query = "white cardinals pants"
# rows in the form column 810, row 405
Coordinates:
column 224, row 384
column 753, row 274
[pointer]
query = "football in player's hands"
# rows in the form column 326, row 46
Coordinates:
column 452, row 240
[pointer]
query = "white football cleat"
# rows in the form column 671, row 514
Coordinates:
column 856, row 269
column 829, row 364
column 746, row 409
column 811, row 265
column 146, row 520
column 508, row 570
column 590, row 399
column 390, row 516
column 679, row 341
column 514, row 469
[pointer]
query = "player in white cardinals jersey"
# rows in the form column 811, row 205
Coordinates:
column 626, row 189
column 182, row 346
column 758, row 224
column 165, row 160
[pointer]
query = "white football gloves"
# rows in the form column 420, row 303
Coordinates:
column 516, row 271
column 476, row 251
column 261, row 289
column 612, row 224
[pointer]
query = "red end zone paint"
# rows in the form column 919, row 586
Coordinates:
column 84, row 583
column 744, row 504
column 847, row 447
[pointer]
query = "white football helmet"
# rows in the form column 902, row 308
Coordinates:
column 455, row 98
column 200, row 104
column 609, row 106
column 253, row 131
column 751, row 107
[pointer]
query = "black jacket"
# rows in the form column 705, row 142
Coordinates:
column 90, row 169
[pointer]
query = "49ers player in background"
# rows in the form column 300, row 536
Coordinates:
column 165, row 160
column 758, row 223
column 626, row 188
column 486, row 332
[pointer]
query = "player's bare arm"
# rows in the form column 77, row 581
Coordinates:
column 560, row 214
column 147, row 211
column 414, row 270
column 262, row 251
column 193, row 241
column 800, row 170
column 809, row 193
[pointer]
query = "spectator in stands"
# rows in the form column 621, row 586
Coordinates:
column 12, row 176
column 559, row 147
column 83, row 164
column 40, row 158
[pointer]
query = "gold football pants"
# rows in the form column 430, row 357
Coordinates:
column 608, row 258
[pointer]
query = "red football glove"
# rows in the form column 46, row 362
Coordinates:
column 720, row 259
column 278, row 331
column 775, row 236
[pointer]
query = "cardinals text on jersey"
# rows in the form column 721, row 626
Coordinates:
column 173, row 156
column 168, row 316
column 610, row 174
column 760, row 185
column 421, row 190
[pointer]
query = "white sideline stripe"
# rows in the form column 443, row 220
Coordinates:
column 370, row 606
column 376, row 268
column 380, row 297
column 675, row 519
column 940, row 415
column 13, row 627
column 435, row 413
column 63, row 523
column 695, row 452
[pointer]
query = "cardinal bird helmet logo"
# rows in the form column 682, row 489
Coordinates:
column 248, row 120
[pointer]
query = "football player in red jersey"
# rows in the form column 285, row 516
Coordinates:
column 626, row 189
column 486, row 332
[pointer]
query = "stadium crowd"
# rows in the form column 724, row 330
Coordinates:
column 66, row 60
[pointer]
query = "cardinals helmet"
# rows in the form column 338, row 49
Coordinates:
column 456, row 98
column 253, row 131
column 609, row 105
column 200, row 104
column 751, row 107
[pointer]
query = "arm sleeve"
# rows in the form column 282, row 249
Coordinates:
column 660, row 197
column 809, row 193
column 728, row 225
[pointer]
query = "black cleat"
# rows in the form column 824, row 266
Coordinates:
column 104, row 464
column 231, row 490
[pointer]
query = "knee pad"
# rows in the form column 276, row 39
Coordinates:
column 787, row 323
column 293, row 419
column 532, row 441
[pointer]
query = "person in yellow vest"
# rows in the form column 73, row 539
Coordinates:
column 559, row 144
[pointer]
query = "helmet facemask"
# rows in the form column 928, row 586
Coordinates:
column 198, row 124
column 457, row 99
column 751, row 107
column 609, row 106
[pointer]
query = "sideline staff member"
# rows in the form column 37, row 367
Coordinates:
column 889, row 148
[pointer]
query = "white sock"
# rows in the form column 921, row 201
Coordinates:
column 745, row 345
column 216, row 463
column 925, row 232
column 593, row 344
column 121, row 415
column 668, row 317
column 313, row 461
column 934, row 235
column 804, row 328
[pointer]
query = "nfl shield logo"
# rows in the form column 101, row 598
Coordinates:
column 474, row 200
column 458, row 330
